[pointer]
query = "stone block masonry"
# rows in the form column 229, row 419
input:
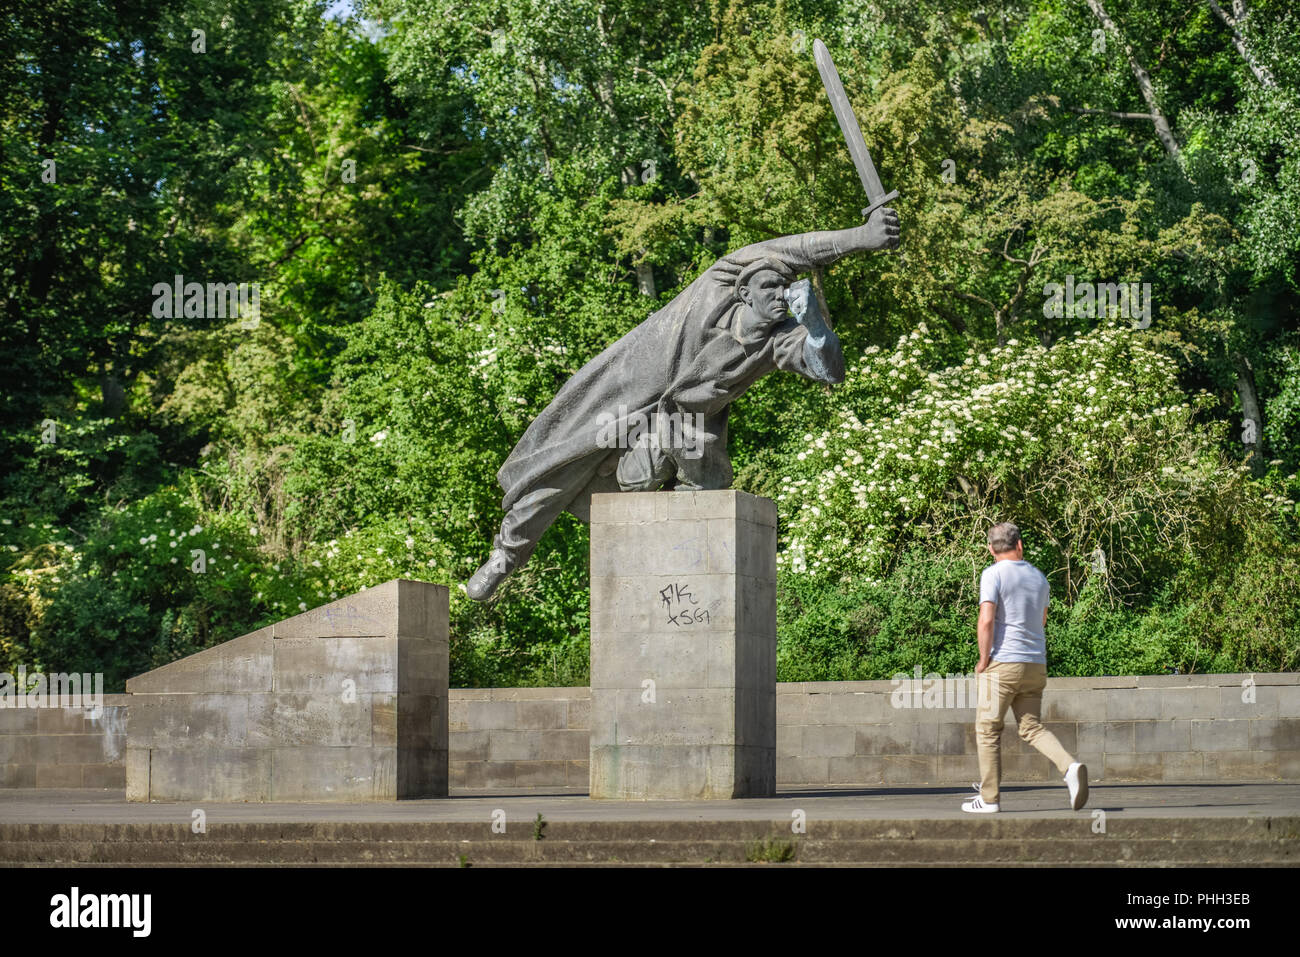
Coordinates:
column 1133, row 729
column 64, row 747
column 847, row 733
column 683, row 646
column 345, row 702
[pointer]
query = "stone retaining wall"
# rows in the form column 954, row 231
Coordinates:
column 64, row 747
column 1127, row 729
column 518, row 737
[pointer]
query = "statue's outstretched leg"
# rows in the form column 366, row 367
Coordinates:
column 523, row 527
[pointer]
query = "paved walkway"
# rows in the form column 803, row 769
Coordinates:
column 1218, row 800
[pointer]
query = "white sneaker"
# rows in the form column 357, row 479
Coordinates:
column 977, row 806
column 1076, row 779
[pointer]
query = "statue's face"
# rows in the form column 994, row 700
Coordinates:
column 764, row 294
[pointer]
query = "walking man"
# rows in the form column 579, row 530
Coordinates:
column 1013, row 668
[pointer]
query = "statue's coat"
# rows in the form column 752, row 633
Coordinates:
column 683, row 358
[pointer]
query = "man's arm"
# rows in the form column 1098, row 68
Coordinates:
column 984, row 631
column 821, row 355
column 809, row 250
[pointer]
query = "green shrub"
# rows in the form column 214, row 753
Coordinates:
column 127, row 599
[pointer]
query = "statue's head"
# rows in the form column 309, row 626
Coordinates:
column 761, row 287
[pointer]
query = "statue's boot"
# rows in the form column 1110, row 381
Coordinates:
column 483, row 583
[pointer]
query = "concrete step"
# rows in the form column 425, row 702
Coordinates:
column 952, row 828
column 600, row 852
column 1006, row 840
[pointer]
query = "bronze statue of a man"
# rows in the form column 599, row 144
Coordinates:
column 650, row 412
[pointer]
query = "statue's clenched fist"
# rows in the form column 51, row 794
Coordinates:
column 881, row 229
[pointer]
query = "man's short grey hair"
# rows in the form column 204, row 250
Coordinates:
column 1003, row 537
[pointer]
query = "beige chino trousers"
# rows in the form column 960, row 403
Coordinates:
column 1019, row 686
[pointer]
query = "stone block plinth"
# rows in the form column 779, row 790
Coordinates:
column 345, row 702
column 683, row 646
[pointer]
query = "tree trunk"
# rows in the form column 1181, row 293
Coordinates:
column 645, row 279
column 1250, row 413
column 1163, row 130
column 113, row 395
column 1234, row 22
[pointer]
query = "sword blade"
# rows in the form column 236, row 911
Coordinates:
column 848, row 124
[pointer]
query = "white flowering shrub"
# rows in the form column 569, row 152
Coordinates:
column 1161, row 550
column 153, row 581
column 1090, row 444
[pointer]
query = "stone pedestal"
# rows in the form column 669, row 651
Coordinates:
column 683, row 646
column 345, row 702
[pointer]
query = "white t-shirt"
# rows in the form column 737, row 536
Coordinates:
column 1019, row 592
